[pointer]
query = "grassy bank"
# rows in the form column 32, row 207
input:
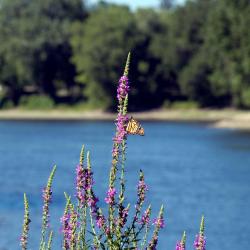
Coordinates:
column 226, row 118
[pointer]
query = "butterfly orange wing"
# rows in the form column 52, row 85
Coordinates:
column 134, row 127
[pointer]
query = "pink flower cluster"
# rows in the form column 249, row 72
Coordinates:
column 110, row 199
column 84, row 183
column 47, row 196
column 123, row 214
column 145, row 219
column 121, row 120
column 200, row 242
column 141, row 190
column 180, row 246
column 85, row 194
column 153, row 243
column 123, row 88
column 68, row 221
column 159, row 222
column 121, row 132
column 100, row 221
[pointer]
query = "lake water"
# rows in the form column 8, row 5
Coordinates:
column 191, row 168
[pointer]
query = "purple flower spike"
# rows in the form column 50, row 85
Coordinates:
column 145, row 220
column 123, row 88
column 68, row 226
column 84, row 183
column 110, row 199
column 100, row 221
column 121, row 122
column 159, row 222
column 180, row 246
column 47, row 197
column 200, row 242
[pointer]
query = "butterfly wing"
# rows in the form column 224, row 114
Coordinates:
column 134, row 127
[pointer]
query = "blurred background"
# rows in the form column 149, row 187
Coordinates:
column 67, row 55
column 57, row 53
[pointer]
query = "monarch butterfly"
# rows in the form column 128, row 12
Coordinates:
column 134, row 127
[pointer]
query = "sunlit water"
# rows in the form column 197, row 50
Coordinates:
column 192, row 169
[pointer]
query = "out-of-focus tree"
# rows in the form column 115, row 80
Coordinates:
column 178, row 44
column 99, row 46
column 103, row 42
column 34, row 45
column 227, row 41
column 219, row 74
column 198, row 51
column 166, row 4
column 157, row 80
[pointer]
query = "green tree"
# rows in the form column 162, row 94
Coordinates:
column 99, row 46
column 34, row 45
column 227, row 41
column 219, row 73
column 157, row 81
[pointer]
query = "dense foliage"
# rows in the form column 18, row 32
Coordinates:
column 198, row 52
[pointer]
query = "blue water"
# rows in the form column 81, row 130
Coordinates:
column 192, row 169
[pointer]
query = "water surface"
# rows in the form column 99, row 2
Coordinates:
column 191, row 168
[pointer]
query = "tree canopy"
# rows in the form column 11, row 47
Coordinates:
column 198, row 51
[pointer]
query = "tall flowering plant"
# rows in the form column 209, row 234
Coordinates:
column 84, row 225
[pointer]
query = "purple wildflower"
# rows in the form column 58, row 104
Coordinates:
column 159, row 222
column 123, row 88
column 47, row 196
column 66, row 230
column 123, row 214
column 121, row 132
column 92, row 202
column 145, row 217
column 141, row 190
column 153, row 243
column 115, row 152
column 180, row 246
column 200, row 242
column 84, row 183
column 69, row 224
column 100, row 221
column 110, row 199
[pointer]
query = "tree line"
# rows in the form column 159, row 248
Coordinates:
column 65, row 52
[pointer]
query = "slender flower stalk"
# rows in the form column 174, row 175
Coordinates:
column 142, row 188
column 200, row 239
column 145, row 220
column 181, row 245
column 159, row 223
column 50, row 240
column 73, row 227
column 82, row 200
column 65, row 223
column 119, row 146
column 26, row 222
column 141, row 194
column 47, row 195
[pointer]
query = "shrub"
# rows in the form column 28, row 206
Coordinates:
column 185, row 105
column 246, row 98
column 84, row 223
column 36, row 102
column 181, row 105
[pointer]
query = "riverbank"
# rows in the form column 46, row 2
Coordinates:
column 233, row 119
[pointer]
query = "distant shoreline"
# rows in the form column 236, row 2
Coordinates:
column 227, row 118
